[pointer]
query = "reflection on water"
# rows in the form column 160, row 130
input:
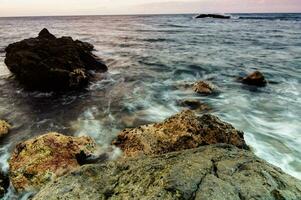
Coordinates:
column 148, row 57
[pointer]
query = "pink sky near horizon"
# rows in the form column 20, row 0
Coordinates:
column 104, row 7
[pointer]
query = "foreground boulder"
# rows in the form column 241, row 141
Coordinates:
column 4, row 128
column 179, row 132
column 48, row 63
column 219, row 172
column 39, row 160
column 203, row 87
column 215, row 16
column 256, row 78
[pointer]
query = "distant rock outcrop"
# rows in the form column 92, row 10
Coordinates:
column 256, row 78
column 48, row 63
column 39, row 160
column 214, row 172
column 216, row 16
column 182, row 131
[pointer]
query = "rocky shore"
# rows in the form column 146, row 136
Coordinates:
column 184, row 157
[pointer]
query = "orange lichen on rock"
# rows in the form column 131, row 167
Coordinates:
column 39, row 160
column 182, row 131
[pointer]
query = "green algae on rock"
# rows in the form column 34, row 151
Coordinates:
column 219, row 172
column 182, row 131
column 39, row 160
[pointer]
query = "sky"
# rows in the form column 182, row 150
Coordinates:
column 108, row 7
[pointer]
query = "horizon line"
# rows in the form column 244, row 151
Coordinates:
column 143, row 14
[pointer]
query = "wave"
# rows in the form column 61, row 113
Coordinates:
column 296, row 17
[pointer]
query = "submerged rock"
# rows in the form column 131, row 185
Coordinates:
column 203, row 87
column 4, row 128
column 179, row 132
column 194, row 104
column 219, row 172
column 256, row 78
column 39, row 160
column 216, row 16
column 48, row 63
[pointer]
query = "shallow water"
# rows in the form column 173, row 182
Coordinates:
column 148, row 57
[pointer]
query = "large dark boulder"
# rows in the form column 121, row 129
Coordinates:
column 48, row 63
column 216, row 16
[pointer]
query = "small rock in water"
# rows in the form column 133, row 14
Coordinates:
column 4, row 128
column 256, row 78
column 47, row 63
column 203, row 87
column 182, row 131
column 37, row 161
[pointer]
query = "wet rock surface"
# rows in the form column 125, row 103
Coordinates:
column 48, row 63
column 182, row 131
column 256, row 78
column 204, row 87
column 39, row 160
column 220, row 172
column 4, row 128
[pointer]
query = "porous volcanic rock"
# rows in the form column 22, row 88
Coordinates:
column 48, row 63
column 219, row 172
column 4, row 128
column 39, row 160
column 256, row 78
column 204, row 87
column 182, row 131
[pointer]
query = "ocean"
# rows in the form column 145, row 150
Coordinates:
column 149, row 56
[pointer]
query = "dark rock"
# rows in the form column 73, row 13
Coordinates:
column 179, row 132
column 84, row 159
column 216, row 16
column 219, row 172
column 4, row 184
column 48, row 63
column 256, row 78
